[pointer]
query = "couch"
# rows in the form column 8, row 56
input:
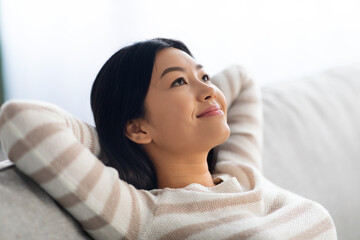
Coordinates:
column 311, row 147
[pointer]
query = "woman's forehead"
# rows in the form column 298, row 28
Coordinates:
column 170, row 58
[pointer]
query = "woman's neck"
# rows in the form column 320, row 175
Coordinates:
column 179, row 174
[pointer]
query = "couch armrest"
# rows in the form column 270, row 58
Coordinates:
column 28, row 212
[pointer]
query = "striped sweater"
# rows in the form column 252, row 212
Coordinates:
column 62, row 154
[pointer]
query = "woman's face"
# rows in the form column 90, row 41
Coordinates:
column 179, row 91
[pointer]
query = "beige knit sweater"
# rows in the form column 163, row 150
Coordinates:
column 61, row 153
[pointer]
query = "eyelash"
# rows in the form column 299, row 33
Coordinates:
column 177, row 80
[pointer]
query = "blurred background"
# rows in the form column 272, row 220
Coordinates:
column 52, row 50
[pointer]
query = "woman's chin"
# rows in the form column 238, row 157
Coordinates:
column 226, row 135
column 221, row 135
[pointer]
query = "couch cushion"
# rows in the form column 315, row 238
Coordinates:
column 27, row 212
column 312, row 142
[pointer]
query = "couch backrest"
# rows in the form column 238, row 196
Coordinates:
column 312, row 142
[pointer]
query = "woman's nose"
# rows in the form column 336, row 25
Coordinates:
column 206, row 92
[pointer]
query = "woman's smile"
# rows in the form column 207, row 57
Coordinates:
column 213, row 110
column 212, row 113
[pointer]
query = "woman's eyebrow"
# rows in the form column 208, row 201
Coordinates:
column 170, row 69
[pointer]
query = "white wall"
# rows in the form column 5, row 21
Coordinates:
column 53, row 49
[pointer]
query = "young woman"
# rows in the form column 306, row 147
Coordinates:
column 183, row 154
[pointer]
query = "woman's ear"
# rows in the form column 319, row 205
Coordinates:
column 136, row 132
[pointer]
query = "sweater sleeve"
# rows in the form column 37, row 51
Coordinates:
column 245, row 119
column 60, row 152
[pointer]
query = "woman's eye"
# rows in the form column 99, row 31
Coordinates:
column 178, row 82
column 206, row 78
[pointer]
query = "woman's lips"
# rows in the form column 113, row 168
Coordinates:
column 211, row 111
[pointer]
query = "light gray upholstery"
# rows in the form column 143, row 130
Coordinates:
column 312, row 142
column 27, row 212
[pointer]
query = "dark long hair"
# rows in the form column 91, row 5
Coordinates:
column 117, row 96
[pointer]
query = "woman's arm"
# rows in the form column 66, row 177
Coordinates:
column 245, row 118
column 59, row 152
